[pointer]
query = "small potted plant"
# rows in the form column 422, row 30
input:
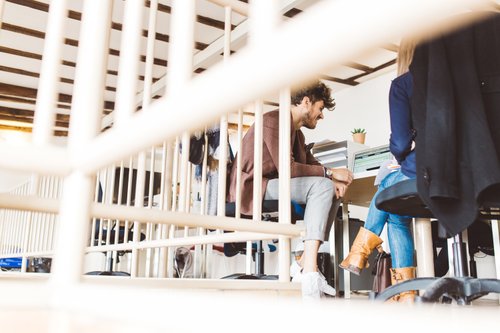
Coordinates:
column 358, row 135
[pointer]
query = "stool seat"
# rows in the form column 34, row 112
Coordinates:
column 402, row 199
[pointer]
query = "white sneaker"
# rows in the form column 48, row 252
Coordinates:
column 295, row 269
column 314, row 285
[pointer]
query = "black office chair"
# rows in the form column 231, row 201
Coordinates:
column 403, row 199
column 269, row 213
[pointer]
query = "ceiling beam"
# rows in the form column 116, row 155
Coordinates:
column 12, row 90
column 63, row 118
column 67, row 41
column 29, row 129
column 37, row 75
column 21, row 100
column 78, row 17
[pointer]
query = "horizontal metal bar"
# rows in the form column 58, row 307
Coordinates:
column 183, row 241
column 119, row 212
column 48, row 160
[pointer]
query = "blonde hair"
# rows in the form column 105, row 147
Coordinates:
column 405, row 55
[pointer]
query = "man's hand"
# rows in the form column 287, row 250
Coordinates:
column 340, row 189
column 342, row 175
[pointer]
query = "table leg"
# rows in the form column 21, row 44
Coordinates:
column 345, row 248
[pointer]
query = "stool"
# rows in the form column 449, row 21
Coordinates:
column 403, row 199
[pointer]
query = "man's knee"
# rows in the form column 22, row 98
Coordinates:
column 324, row 186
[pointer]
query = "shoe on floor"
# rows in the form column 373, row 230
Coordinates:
column 314, row 285
column 294, row 268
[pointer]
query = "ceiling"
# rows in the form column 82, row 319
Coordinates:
column 22, row 34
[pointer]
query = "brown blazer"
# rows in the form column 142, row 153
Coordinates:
column 303, row 162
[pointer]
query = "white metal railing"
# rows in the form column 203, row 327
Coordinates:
column 29, row 234
column 269, row 63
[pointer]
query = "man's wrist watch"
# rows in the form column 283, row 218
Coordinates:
column 328, row 173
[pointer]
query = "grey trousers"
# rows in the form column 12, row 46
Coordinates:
column 318, row 194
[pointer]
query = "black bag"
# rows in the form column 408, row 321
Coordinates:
column 382, row 271
column 197, row 150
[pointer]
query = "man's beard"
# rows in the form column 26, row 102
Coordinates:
column 309, row 122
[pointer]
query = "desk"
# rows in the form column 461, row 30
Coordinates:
column 360, row 193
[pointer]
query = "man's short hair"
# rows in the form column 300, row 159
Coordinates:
column 316, row 91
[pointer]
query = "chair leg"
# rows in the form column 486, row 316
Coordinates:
column 459, row 256
column 259, row 259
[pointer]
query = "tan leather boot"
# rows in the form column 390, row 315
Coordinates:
column 399, row 275
column 363, row 245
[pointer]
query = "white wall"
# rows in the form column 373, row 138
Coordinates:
column 365, row 105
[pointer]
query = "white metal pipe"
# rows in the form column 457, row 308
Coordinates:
column 84, row 125
column 175, row 175
column 423, row 245
column 183, row 241
column 139, row 203
column 26, row 236
column 149, row 226
column 148, row 80
column 108, row 198
column 90, row 71
column 183, row 194
column 180, row 59
column 153, row 215
column 257, row 175
column 73, row 231
column 199, row 255
column 223, row 127
column 284, row 182
column 222, row 171
column 238, row 164
column 2, row 2
column 128, row 67
column 264, row 16
column 37, row 253
column 248, row 69
column 39, row 159
column 129, row 196
column 495, row 231
column 104, row 178
column 150, row 48
column 120, row 184
column 345, row 248
column 165, row 201
column 171, row 232
column 151, row 179
column 34, row 185
column 237, row 6
column 48, row 82
column 204, row 170
column 40, row 216
column 227, row 32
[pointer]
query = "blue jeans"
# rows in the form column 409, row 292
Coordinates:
column 398, row 227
